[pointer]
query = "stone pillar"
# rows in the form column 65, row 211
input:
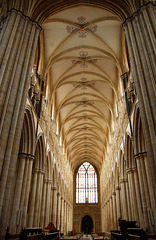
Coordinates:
column 32, row 198
column 54, row 207
column 118, row 203
column 62, row 215
column 151, row 195
column 18, row 189
column 51, row 203
column 140, row 35
column 128, row 200
column 47, row 213
column 139, row 204
column 123, row 200
column 65, row 217
column 68, row 218
column 27, row 192
column 40, row 197
column 102, row 216
column 146, row 191
column 111, row 213
column 43, row 203
column 108, row 216
column 19, row 37
column 133, row 200
column 114, row 211
column 143, row 199
column 58, row 211
column 37, row 198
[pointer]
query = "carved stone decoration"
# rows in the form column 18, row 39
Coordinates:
column 81, row 22
column 92, row 210
column 83, row 60
column 83, row 84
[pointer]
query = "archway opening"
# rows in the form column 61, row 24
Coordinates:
column 87, row 224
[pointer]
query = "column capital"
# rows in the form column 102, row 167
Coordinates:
column 38, row 170
column 117, row 188
column 140, row 154
column 134, row 169
column 26, row 156
column 47, row 180
column 129, row 170
column 23, row 15
column 122, row 180
column 143, row 6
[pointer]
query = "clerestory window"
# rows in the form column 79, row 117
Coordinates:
column 86, row 184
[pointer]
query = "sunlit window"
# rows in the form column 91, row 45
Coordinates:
column 86, row 184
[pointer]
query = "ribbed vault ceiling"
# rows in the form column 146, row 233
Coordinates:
column 83, row 52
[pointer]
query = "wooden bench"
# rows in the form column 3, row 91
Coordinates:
column 115, row 235
column 49, row 236
column 50, row 232
column 31, row 234
column 129, row 231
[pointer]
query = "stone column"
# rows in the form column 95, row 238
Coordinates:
column 62, row 215
column 68, row 218
column 17, row 195
column 118, row 203
column 128, row 200
column 32, row 198
column 139, row 204
column 146, row 191
column 107, row 216
column 43, row 202
column 40, row 197
column 18, row 43
column 47, row 213
column 23, row 192
column 51, row 203
column 143, row 199
column 132, row 189
column 58, row 211
column 27, row 192
column 65, row 217
column 140, row 35
column 151, row 195
column 54, row 207
column 114, row 211
column 37, row 198
column 111, row 213
column 102, row 216
column 123, row 200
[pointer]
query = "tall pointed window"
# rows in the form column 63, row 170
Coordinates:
column 86, row 184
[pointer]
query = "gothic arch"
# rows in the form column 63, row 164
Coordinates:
column 122, row 165
column 55, row 176
column 92, row 218
column 48, row 167
column 40, row 153
column 129, row 152
column 27, row 143
column 139, row 142
column 42, row 10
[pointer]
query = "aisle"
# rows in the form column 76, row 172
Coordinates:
column 86, row 237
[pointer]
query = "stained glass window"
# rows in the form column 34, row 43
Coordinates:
column 86, row 184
